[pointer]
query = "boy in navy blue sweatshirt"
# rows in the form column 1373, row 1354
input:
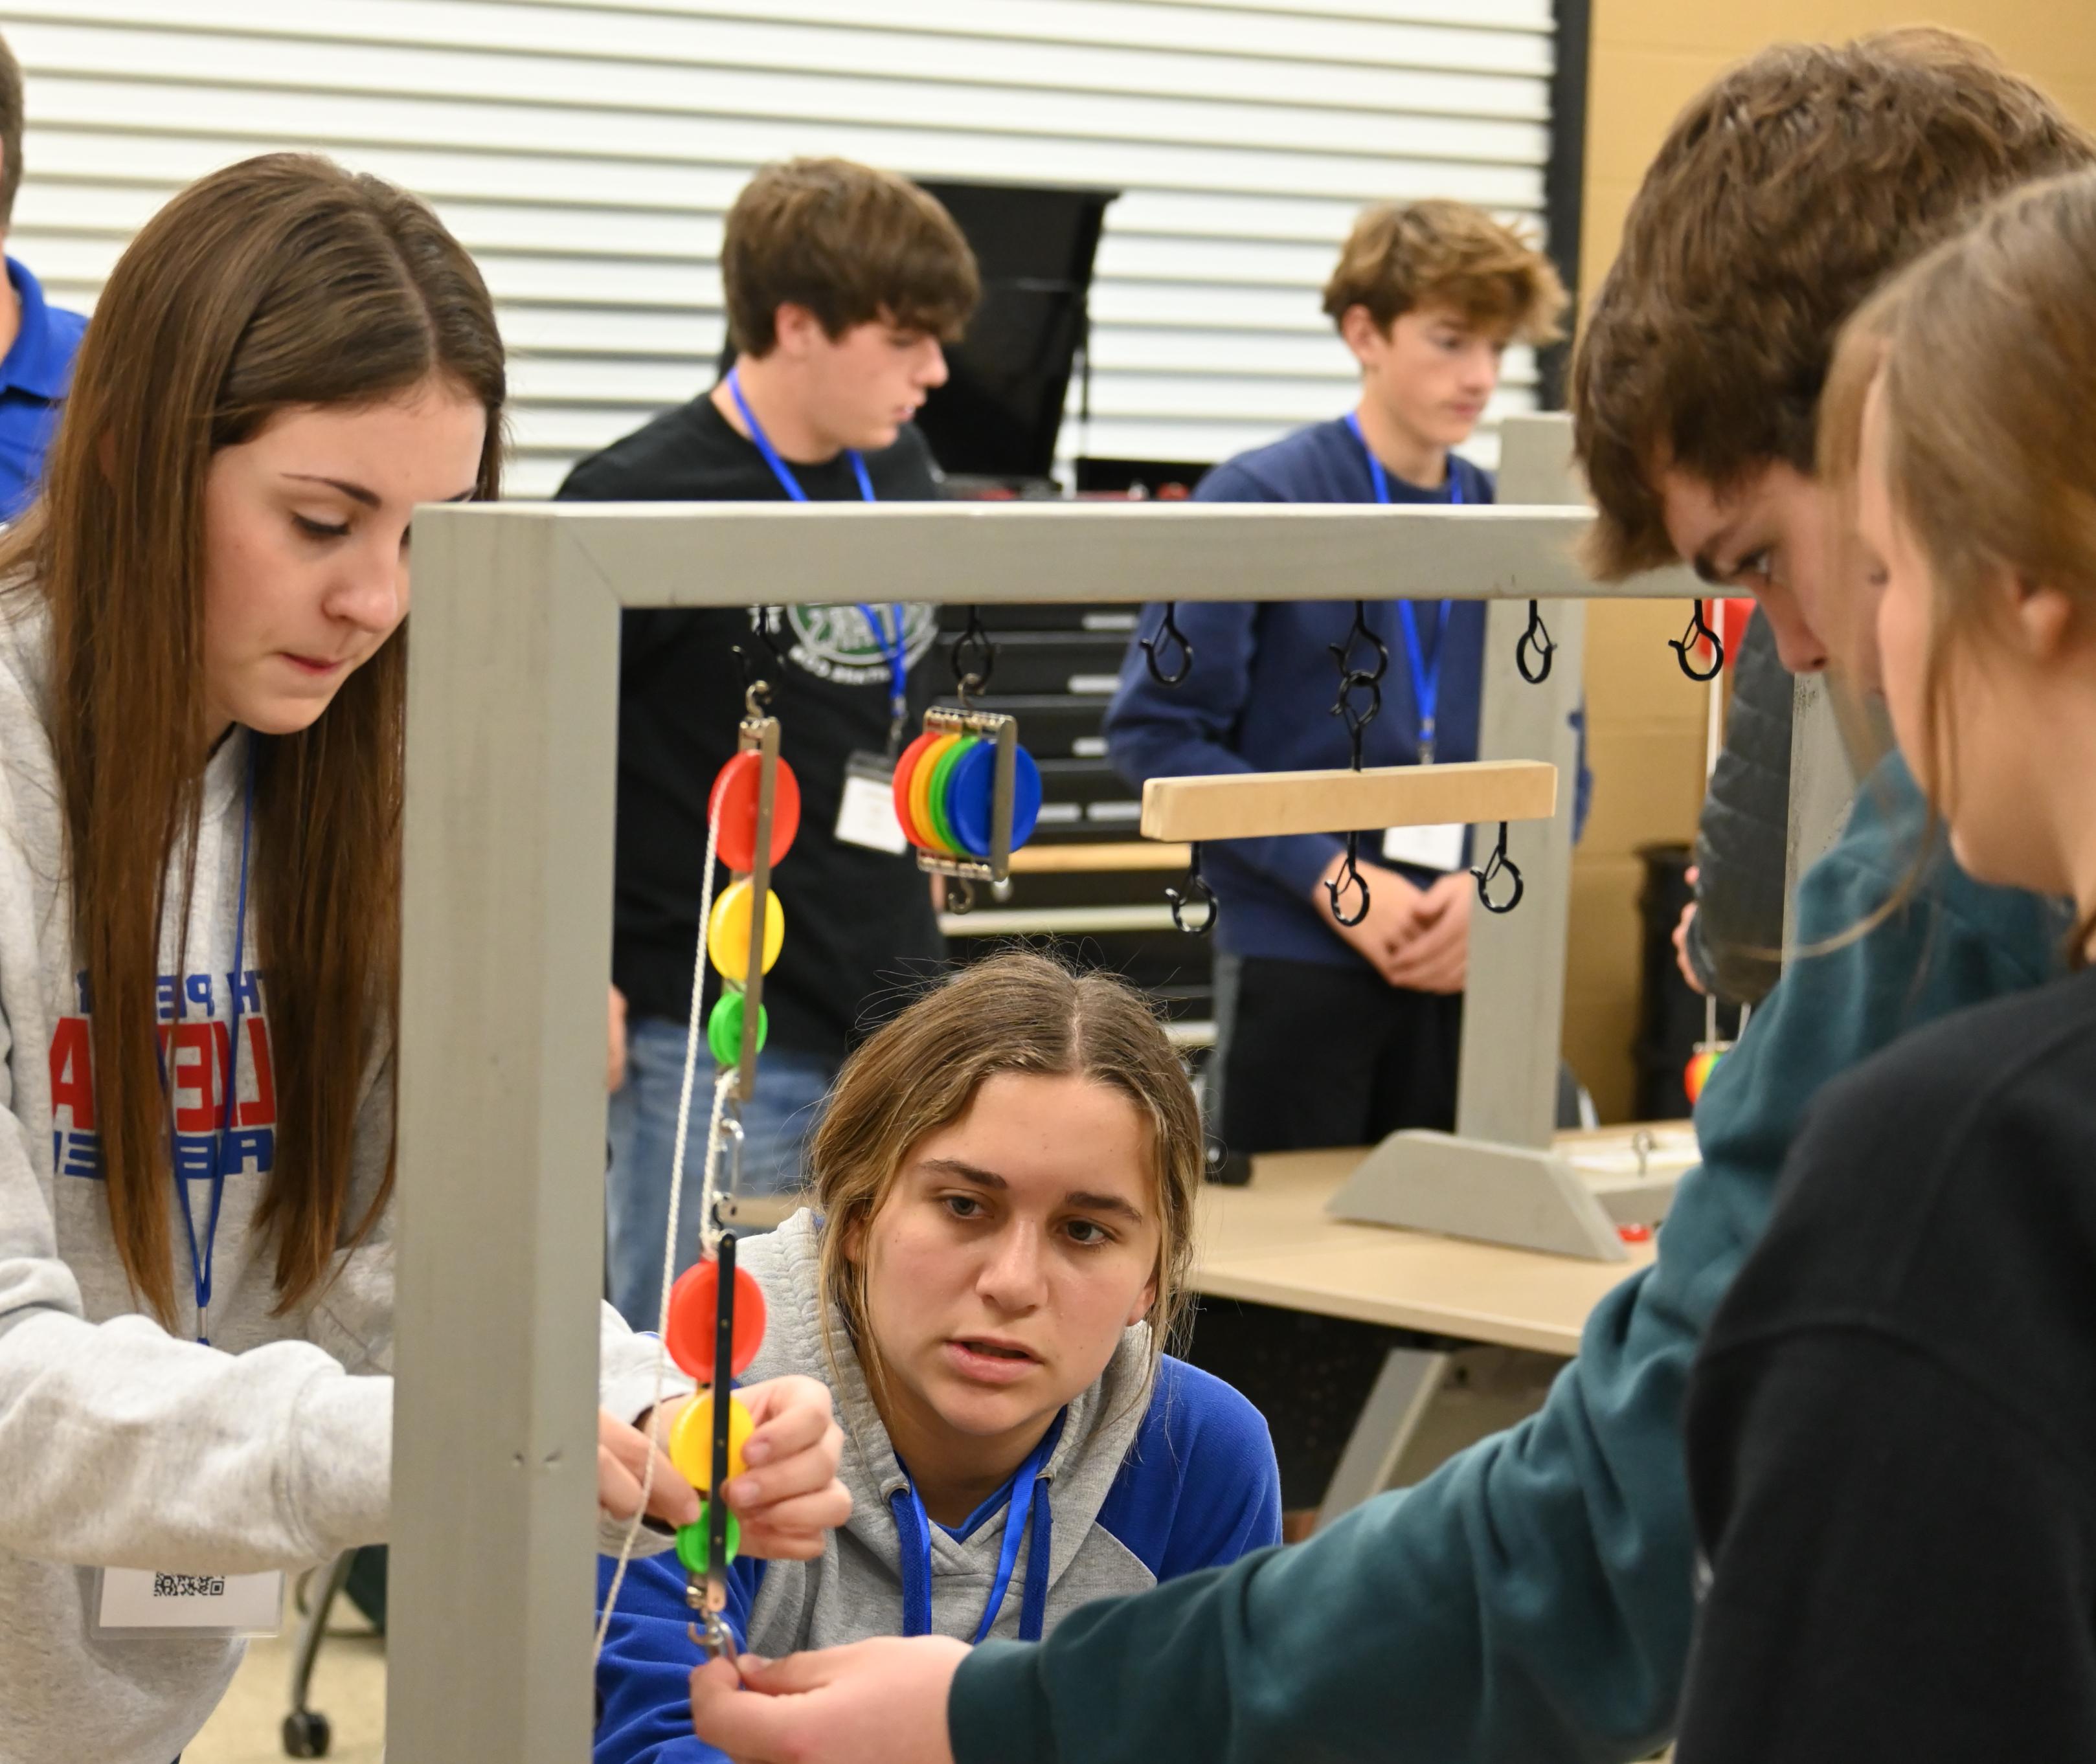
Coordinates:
column 1327, row 1033
column 1427, row 298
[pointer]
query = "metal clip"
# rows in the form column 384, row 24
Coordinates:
column 1498, row 864
column 1350, row 877
column 1363, row 680
column 973, row 657
column 717, row 1640
column 1698, row 632
column 1534, row 640
column 1151, row 644
column 756, row 691
column 1197, row 890
column 731, row 1143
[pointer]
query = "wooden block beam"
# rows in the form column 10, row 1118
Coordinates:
column 1256, row 805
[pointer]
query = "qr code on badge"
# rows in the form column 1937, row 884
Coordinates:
column 189, row 1586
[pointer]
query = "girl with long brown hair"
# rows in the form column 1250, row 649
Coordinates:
column 1891, row 1429
column 203, row 656
column 994, row 1255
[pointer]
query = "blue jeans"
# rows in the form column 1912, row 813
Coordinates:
column 643, row 1131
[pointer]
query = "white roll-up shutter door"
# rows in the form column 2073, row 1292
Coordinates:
column 587, row 153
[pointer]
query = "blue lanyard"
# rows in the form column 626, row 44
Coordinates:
column 201, row 1263
column 892, row 645
column 1426, row 675
column 779, row 469
column 1022, row 1503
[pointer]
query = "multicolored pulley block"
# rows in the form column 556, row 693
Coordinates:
column 752, row 835
column 1701, row 1063
column 967, row 794
column 703, row 1312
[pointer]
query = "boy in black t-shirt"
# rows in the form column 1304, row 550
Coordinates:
column 841, row 282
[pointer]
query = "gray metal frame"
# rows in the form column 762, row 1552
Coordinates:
column 507, row 943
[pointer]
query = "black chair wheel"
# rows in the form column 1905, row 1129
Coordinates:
column 306, row 1733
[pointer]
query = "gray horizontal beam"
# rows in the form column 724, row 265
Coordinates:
column 738, row 554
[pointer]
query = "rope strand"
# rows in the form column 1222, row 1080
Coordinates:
column 693, row 1037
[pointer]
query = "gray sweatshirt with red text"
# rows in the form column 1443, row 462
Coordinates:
column 124, row 1444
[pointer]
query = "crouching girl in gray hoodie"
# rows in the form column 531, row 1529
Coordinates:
column 1002, row 1192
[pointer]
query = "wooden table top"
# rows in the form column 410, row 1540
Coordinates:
column 1272, row 1243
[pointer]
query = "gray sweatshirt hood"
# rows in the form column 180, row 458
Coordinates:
column 855, row 1589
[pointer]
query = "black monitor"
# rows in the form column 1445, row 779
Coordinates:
column 997, row 417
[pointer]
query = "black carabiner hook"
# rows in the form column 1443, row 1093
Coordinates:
column 1350, row 877
column 1535, row 639
column 756, row 690
column 1363, row 680
column 1497, row 865
column 1151, row 644
column 1698, row 632
column 1198, row 890
column 972, row 675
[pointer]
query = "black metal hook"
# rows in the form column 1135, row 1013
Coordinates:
column 756, row 690
column 1363, row 680
column 1535, row 640
column 972, row 675
column 1198, row 890
column 1350, row 877
column 1698, row 632
column 1361, row 630
column 1151, row 644
column 1496, row 866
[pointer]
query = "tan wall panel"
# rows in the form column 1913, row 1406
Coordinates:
column 1645, row 722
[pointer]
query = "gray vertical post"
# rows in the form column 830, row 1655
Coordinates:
column 1822, row 786
column 512, row 707
column 1513, row 1018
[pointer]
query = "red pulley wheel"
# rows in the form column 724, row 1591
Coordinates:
column 904, row 768
column 733, row 800
column 694, row 1318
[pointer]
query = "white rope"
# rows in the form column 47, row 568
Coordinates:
column 694, row 1034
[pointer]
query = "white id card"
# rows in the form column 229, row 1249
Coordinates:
column 1435, row 848
column 139, row 1603
column 866, row 807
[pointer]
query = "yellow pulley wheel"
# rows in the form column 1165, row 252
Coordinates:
column 920, row 794
column 727, row 931
column 691, row 1441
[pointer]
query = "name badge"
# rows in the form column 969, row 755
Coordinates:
column 865, row 806
column 1436, row 849
column 142, row 1601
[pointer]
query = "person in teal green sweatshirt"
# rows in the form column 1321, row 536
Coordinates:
column 1534, row 1599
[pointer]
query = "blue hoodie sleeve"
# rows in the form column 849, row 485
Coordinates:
column 643, row 1676
column 1533, row 1598
column 1200, row 1486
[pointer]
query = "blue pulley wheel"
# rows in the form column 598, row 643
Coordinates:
column 971, row 790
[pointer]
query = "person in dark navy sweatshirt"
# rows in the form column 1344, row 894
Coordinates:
column 37, row 341
column 1003, row 1190
column 1330, row 1034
